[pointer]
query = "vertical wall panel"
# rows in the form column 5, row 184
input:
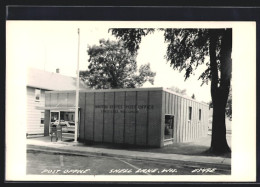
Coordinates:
column 179, row 118
column 130, row 117
column 202, row 120
column 162, row 116
column 89, row 116
column 47, row 99
column 166, row 103
column 98, row 128
column 205, row 118
column 155, row 112
column 82, row 115
column 189, row 124
column 185, row 120
column 199, row 122
column 193, row 122
column 46, row 122
column 119, row 117
column 171, row 104
column 71, row 99
column 108, row 117
column 54, row 99
column 141, row 118
column 195, row 119
column 174, row 113
column 62, row 99
column 176, row 119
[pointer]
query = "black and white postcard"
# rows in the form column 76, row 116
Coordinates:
column 130, row 101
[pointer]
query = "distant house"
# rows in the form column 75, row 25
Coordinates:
column 39, row 81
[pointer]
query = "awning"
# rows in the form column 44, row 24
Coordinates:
column 56, row 108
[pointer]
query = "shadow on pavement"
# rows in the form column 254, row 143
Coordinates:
column 199, row 147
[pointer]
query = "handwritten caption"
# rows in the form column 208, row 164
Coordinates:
column 129, row 171
column 66, row 171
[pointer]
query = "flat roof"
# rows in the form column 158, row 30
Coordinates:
column 129, row 89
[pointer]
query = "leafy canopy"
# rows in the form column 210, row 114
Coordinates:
column 186, row 50
column 113, row 66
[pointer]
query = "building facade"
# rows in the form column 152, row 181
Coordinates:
column 150, row 117
column 38, row 82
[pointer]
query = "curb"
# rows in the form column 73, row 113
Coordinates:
column 46, row 149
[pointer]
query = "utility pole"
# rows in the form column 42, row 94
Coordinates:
column 77, row 95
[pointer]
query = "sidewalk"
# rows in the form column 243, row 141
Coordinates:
column 168, row 153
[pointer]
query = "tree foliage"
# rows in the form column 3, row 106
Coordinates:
column 113, row 66
column 131, row 37
column 186, row 50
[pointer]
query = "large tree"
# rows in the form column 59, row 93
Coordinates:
column 113, row 66
column 187, row 49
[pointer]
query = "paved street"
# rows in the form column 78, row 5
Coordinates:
column 66, row 164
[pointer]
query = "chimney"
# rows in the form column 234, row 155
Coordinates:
column 57, row 70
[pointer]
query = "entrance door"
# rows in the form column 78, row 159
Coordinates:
column 66, row 119
column 55, row 116
column 169, row 124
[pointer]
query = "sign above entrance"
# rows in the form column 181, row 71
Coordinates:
column 123, row 108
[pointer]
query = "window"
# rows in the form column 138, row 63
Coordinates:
column 190, row 112
column 37, row 94
column 200, row 114
column 42, row 117
column 168, row 128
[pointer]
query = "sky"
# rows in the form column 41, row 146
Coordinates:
column 49, row 45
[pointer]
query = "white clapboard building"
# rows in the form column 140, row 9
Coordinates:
column 39, row 81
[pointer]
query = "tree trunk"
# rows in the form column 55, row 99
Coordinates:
column 220, row 88
column 218, row 140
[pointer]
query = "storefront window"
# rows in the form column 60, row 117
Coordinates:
column 190, row 112
column 54, row 116
column 168, row 129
